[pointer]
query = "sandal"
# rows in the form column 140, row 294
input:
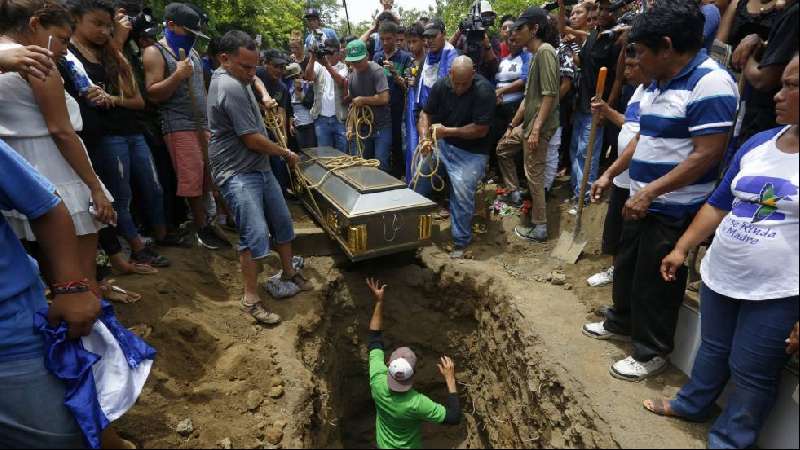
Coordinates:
column 660, row 408
column 260, row 314
column 150, row 257
column 118, row 295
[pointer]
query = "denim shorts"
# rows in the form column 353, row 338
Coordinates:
column 260, row 210
column 32, row 411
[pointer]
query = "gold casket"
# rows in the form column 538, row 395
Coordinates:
column 366, row 211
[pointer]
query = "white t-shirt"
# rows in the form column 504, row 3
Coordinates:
column 755, row 254
column 629, row 131
column 328, row 87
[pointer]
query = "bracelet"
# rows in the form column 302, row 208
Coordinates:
column 70, row 287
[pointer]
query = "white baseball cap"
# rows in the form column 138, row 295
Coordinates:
column 401, row 370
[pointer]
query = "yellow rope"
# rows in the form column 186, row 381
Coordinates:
column 276, row 125
column 419, row 158
column 359, row 118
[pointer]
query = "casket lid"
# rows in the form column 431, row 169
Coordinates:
column 364, row 179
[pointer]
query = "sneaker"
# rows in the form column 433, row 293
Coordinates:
column 601, row 278
column 629, row 369
column 298, row 263
column 280, row 288
column 458, row 253
column 537, row 233
column 209, row 239
column 597, row 330
column 260, row 314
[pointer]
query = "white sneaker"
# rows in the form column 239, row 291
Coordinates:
column 598, row 331
column 629, row 369
column 601, row 278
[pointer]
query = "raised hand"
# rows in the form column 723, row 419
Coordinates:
column 378, row 289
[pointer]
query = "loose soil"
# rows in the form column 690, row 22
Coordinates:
column 527, row 377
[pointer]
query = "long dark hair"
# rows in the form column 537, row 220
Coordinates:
column 16, row 14
column 118, row 70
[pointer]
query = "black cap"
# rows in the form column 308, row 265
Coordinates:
column 144, row 25
column 275, row 57
column 434, row 27
column 312, row 12
column 204, row 19
column 185, row 16
column 332, row 44
column 531, row 15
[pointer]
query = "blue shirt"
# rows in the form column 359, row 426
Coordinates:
column 711, row 13
column 22, row 189
column 700, row 101
column 327, row 32
column 512, row 68
column 402, row 60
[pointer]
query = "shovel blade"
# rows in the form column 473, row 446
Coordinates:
column 569, row 247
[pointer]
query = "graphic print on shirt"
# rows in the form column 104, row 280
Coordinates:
column 770, row 192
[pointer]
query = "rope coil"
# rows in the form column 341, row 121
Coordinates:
column 418, row 163
column 359, row 118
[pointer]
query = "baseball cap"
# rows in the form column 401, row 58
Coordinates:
column 356, row 51
column 530, row 15
column 311, row 12
column 293, row 70
column 434, row 27
column 183, row 15
column 401, row 370
column 275, row 57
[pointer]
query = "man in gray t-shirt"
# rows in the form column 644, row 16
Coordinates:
column 239, row 154
column 369, row 87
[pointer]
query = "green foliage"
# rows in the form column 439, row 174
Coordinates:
column 274, row 20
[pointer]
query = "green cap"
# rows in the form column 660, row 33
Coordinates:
column 356, row 51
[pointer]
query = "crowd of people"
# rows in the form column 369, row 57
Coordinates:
column 110, row 116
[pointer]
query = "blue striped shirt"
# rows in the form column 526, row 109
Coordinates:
column 700, row 101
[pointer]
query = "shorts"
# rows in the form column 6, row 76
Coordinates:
column 612, row 231
column 32, row 411
column 256, row 200
column 186, row 152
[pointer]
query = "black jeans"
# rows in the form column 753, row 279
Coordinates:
column 645, row 306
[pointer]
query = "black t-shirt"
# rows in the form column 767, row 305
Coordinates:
column 600, row 50
column 782, row 45
column 99, row 122
column 277, row 90
column 477, row 106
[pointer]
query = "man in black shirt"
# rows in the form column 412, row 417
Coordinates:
column 271, row 74
column 458, row 114
column 600, row 50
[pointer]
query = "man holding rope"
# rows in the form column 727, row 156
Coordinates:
column 369, row 121
column 454, row 126
column 239, row 154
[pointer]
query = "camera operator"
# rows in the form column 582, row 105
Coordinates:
column 472, row 39
column 328, row 74
column 317, row 33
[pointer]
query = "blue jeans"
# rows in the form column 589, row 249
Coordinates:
column 464, row 170
column 578, row 149
column 331, row 133
column 744, row 340
column 256, row 200
column 378, row 146
column 32, row 411
column 123, row 160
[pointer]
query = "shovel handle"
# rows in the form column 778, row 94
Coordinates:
column 587, row 165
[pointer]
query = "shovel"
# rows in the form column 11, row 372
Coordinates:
column 571, row 244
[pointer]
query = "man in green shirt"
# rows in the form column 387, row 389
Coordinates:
column 536, row 120
column 401, row 409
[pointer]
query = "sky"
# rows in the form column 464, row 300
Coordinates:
column 361, row 10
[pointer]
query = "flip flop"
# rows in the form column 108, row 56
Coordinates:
column 660, row 408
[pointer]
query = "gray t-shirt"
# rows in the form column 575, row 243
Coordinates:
column 368, row 83
column 232, row 112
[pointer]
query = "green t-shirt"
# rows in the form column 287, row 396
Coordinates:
column 543, row 81
column 399, row 416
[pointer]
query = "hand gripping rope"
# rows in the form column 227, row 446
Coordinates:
column 359, row 118
column 428, row 150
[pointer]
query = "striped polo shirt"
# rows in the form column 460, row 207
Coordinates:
column 701, row 100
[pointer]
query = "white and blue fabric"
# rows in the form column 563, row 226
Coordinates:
column 700, row 101
column 513, row 68
column 628, row 132
column 104, row 373
column 755, row 254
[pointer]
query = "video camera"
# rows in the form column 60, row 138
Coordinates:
column 474, row 28
column 318, row 47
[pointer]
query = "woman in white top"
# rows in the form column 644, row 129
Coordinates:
column 38, row 119
column 749, row 301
